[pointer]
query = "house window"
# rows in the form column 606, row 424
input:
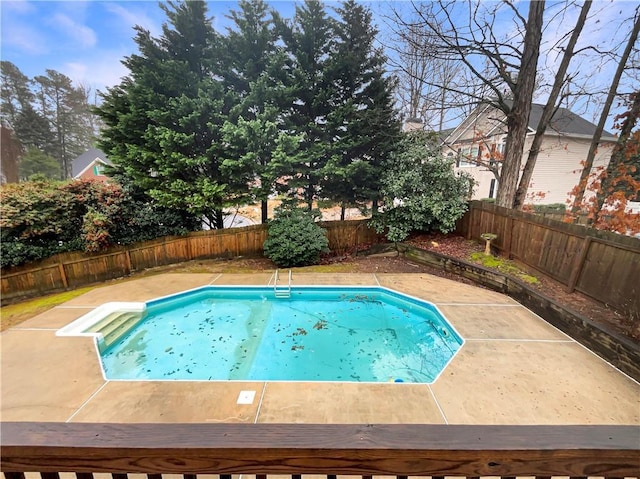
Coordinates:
column 497, row 154
column 98, row 169
column 467, row 155
column 492, row 188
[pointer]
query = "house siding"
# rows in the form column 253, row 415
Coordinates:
column 559, row 167
column 475, row 126
column 89, row 172
column 556, row 173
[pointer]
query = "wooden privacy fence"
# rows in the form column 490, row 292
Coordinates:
column 600, row 264
column 76, row 269
column 296, row 449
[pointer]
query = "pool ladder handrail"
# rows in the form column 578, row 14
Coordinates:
column 283, row 291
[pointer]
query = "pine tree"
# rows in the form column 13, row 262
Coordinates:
column 362, row 121
column 36, row 162
column 14, row 92
column 253, row 72
column 34, row 131
column 249, row 46
column 164, row 121
column 65, row 107
column 308, row 40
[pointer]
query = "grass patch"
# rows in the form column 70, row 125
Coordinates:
column 503, row 265
column 14, row 314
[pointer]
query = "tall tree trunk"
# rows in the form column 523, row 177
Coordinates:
column 618, row 155
column 342, row 211
column 518, row 117
column 309, row 194
column 588, row 163
column 219, row 219
column 549, row 108
column 10, row 153
column 265, row 210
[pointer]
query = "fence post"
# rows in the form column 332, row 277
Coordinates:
column 63, row 275
column 127, row 258
column 579, row 264
column 188, row 247
column 470, row 222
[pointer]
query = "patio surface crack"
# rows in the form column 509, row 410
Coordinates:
column 87, row 401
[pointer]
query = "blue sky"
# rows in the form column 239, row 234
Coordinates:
column 87, row 39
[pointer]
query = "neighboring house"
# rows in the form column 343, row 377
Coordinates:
column 90, row 165
column 481, row 137
column 412, row 124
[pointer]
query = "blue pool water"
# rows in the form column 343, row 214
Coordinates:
column 318, row 334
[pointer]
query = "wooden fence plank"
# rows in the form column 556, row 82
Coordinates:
column 579, row 264
column 385, row 449
column 565, row 252
column 79, row 269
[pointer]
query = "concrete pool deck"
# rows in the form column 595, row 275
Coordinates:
column 514, row 368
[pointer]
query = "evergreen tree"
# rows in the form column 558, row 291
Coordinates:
column 384, row 127
column 15, row 93
column 420, row 189
column 253, row 72
column 362, row 121
column 65, row 107
column 36, row 162
column 308, row 40
column 34, row 131
column 249, row 47
column 163, row 122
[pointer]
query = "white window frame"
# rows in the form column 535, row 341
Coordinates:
column 465, row 152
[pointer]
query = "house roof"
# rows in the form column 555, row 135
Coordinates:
column 564, row 122
column 85, row 159
column 442, row 134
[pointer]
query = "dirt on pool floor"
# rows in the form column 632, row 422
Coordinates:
column 450, row 245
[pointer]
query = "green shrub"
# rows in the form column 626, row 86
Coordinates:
column 550, row 208
column 294, row 238
column 420, row 191
column 41, row 218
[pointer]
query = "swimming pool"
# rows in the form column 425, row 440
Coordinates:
column 355, row 334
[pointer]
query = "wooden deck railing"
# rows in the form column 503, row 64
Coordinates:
column 297, row 449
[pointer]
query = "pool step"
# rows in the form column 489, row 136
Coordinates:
column 281, row 291
column 114, row 326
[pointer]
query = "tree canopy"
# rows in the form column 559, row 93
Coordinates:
column 207, row 122
column 49, row 117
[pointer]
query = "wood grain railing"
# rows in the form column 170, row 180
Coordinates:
column 299, row 449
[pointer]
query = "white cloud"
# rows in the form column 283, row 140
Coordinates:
column 102, row 70
column 83, row 35
column 24, row 38
column 132, row 17
column 17, row 6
